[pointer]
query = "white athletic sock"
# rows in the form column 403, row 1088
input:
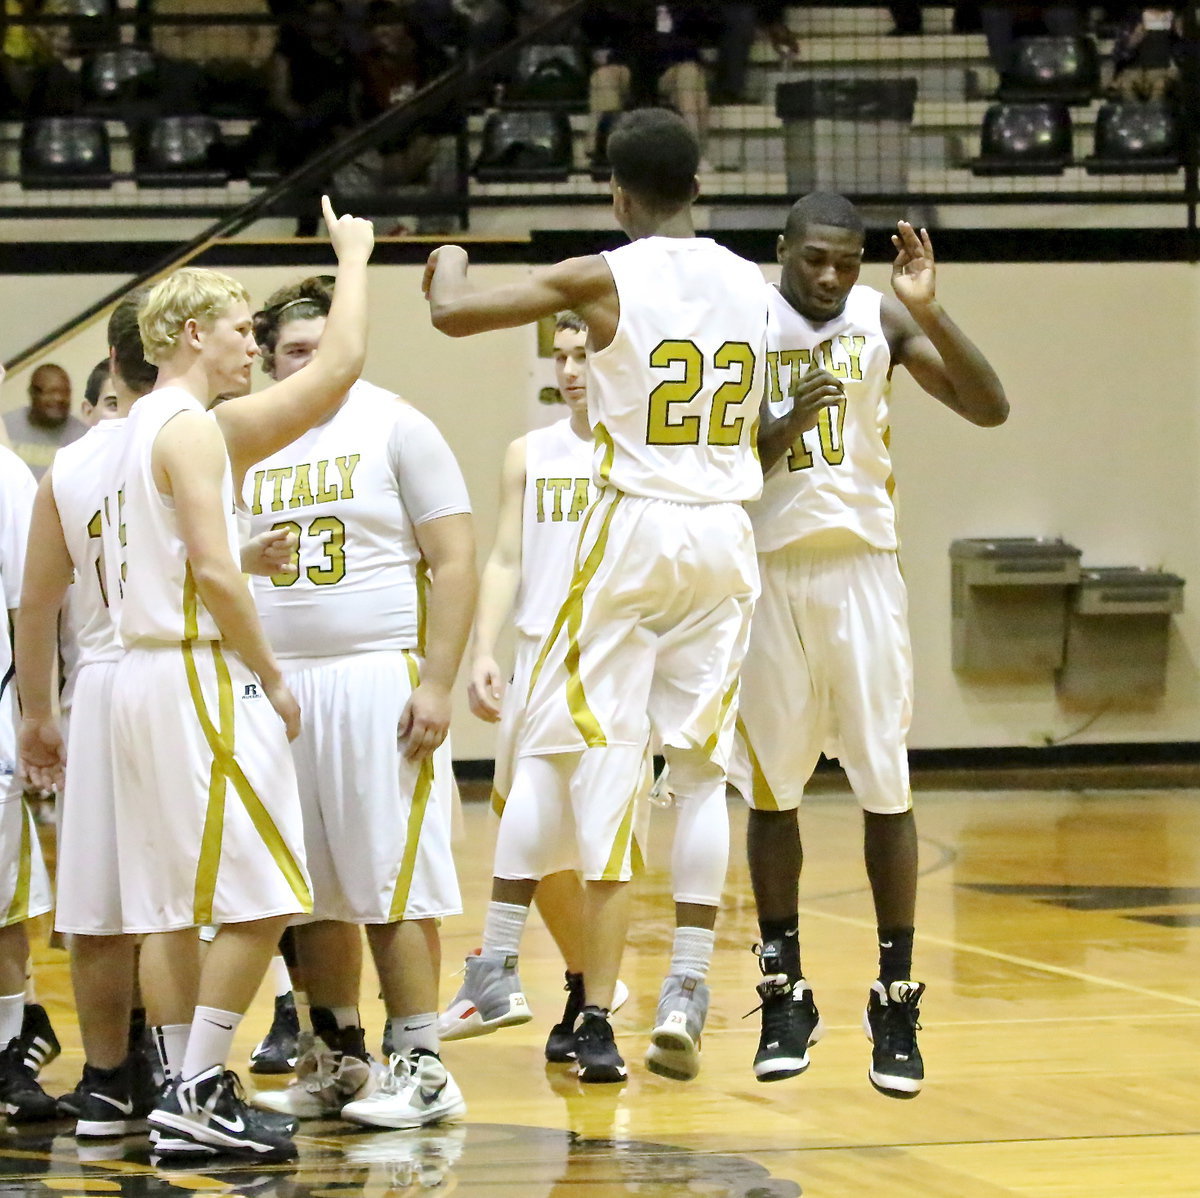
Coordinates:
column 345, row 1016
column 210, row 1040
column 170, row 1039
column 280, row 977
column 12, row 1012
column 406, row 1032
column 502, row 927
column 693, row 950
column 30, row 983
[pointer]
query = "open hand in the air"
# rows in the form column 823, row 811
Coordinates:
column 913, row 271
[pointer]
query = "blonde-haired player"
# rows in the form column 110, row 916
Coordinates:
column 208, row 813
column 546, row 489
column 651, row 637
column 370, row 632
column 829, row 664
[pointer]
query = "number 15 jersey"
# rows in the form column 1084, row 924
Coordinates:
column 353, row 490
column 837, row 477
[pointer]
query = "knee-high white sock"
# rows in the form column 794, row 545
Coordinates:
column 210, row 1039
column 12, row 1013
column 692, row 951
column 700, row 853
column 502, row 927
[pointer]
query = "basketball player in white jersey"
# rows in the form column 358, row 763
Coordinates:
column 115, row 1093
column 651, row 637
column 829, row 665
column 370, row 632
column 546, row 489
column 208, row 815
column 24, row 883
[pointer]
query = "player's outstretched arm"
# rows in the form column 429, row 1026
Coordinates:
column 48, row 573
column 256, row 426
column 936, row 352
column 498, row 586
column 191, row 454
column 448, row 545
column 458, row 309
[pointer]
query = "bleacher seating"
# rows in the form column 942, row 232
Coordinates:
column 170, row 151
column 1065, row 69
column 1024, row 139
column 547, row 76
column 65, row 152
column 1135, row 138
column 525, row 146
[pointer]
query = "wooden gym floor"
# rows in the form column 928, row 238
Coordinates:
column 1058, row 933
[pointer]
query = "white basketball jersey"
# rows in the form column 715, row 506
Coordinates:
column 17, row 490
column 352, row 490
column 81, row 477
column 837, row 477
column 558, row 490
column 674, row 398
column 150, row 587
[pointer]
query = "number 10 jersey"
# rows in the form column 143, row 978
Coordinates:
column 353, row 490
column 837, row 477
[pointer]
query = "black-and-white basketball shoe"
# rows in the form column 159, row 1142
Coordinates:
column 891, row 1021
column 278, row 1051
column 596, row 1052
column 112, row 1103
column 210, row 1110
column 22, row 1098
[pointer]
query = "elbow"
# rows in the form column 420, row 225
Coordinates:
column 995, row 414
column 449, row 321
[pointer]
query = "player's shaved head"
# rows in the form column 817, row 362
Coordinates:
column 822, row 208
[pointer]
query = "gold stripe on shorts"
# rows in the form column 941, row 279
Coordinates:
column 497, row 801
column 710, row 745
column 602, row 437
column 761, row 799
column 18, row 909
column 416, row 817
column 220, row 744
column 621, row 845
column 571, row 616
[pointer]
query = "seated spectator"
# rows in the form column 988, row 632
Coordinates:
column 1003, row 22
column 53, row 79
column 398, row 62
column 740, row 24
column 38, row 431
column 99, row 395
column 1144, row 54
column 225, row 64
column 650, row 54
column 311, row 79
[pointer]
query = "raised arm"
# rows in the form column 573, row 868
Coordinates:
column 48, row 573
column 935, row 351
column 191, row 455
column 457, row 309
column 498, row 586
column 256, row 426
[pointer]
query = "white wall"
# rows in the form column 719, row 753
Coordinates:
column 1102, row 448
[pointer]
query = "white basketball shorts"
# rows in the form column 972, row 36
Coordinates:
column 829, row 669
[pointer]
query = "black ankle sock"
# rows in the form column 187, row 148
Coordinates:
column 895, row 954
column 787, row 933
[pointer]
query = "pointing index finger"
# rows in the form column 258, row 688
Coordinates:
column 327, row 212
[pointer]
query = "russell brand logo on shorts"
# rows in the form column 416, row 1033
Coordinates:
column 251, row 691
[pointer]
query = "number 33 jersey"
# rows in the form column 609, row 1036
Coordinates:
column 353, row 491
column 837, row 477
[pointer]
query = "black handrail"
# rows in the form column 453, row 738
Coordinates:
column 458, row 82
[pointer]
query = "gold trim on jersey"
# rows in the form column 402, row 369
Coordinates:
column 221, row 745
column 422, row 584
column 416, row 816
column 758, row 780
column 601, row 436
column 191, row 606
column 18, row 909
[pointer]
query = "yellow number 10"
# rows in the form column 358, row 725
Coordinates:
column 661, row 429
